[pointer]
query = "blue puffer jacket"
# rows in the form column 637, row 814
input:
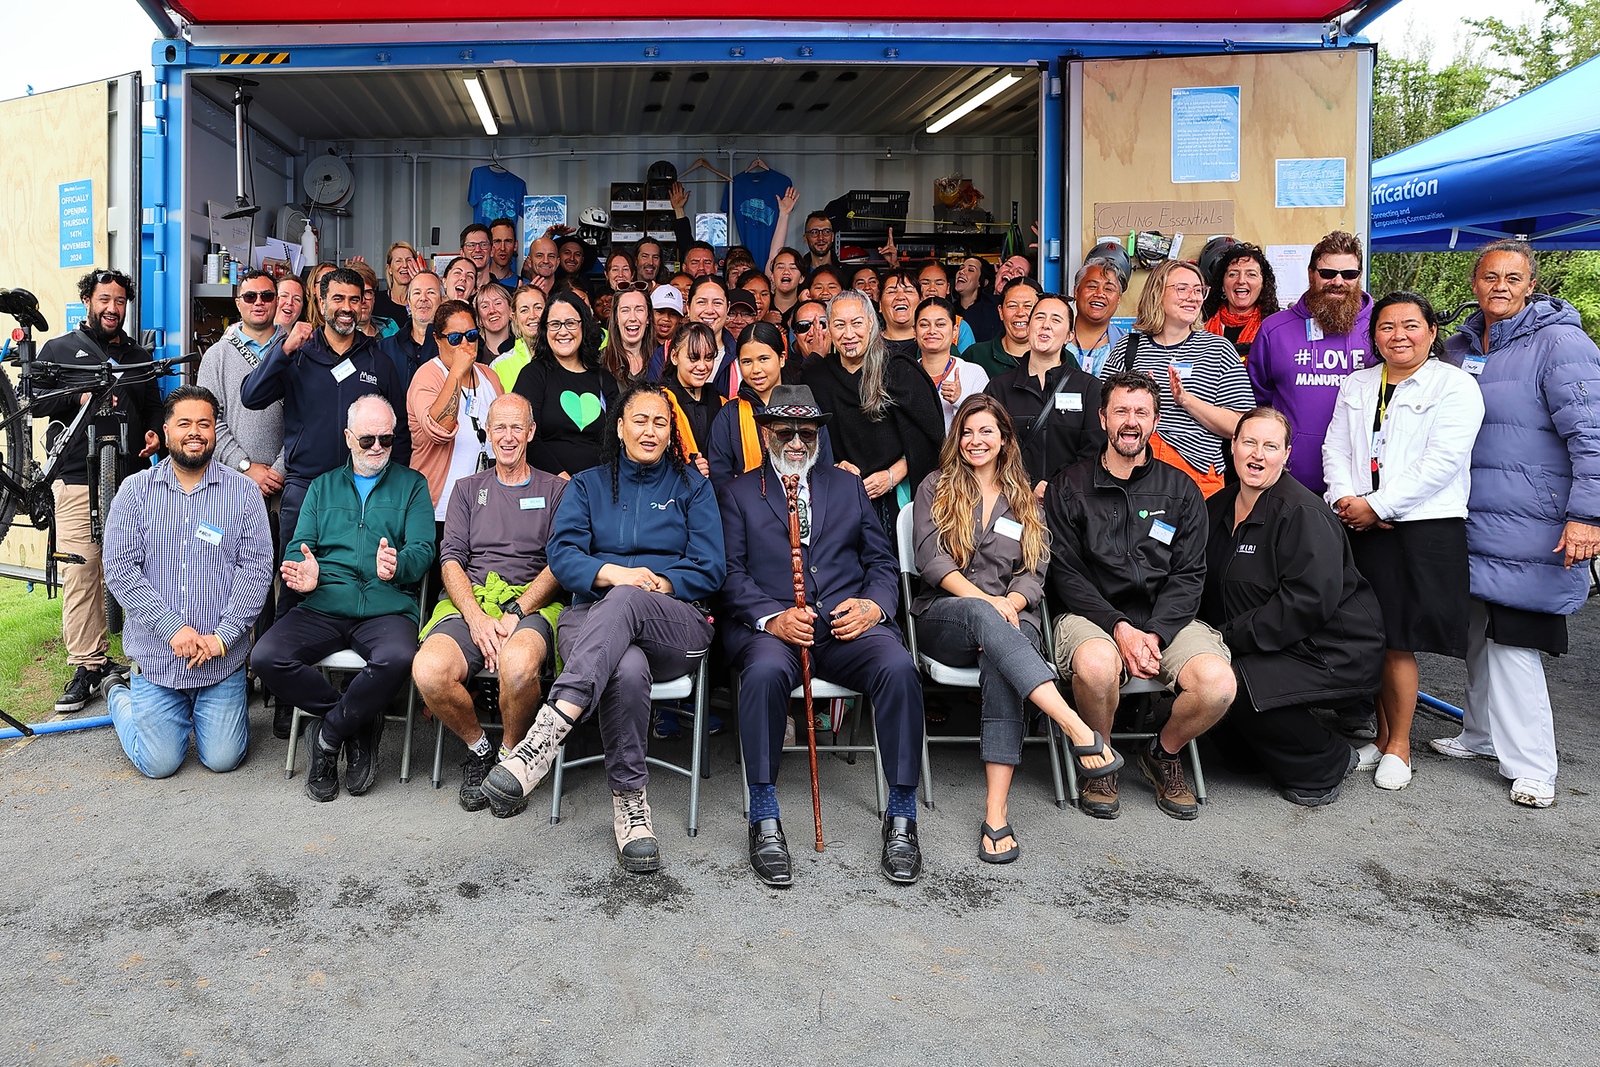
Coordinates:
column 661, row 519
column 1536, row 463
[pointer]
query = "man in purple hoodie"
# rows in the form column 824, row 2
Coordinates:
column 1302, row 354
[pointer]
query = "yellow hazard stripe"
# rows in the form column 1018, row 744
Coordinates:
column 234, row 59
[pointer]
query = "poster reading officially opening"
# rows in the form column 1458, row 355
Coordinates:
column 1205, row 134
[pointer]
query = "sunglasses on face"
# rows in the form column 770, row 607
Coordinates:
column 261, row 296
column 383, row 440
column 807, row 434
column 633, row 287
column 470, row 336
column 1328, row 274
column 805, row 325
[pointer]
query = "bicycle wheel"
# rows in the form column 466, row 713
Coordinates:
column 110, row 467
column 16, row 449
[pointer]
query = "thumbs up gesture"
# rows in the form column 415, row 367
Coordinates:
column 301, row 575
column 950, row 388
column 387, row 558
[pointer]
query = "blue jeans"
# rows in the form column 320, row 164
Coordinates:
column 154, row 722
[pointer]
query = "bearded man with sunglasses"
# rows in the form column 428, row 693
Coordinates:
column 361, row 546
column 1302, row 354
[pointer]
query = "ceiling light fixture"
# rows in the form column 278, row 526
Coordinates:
column 481, row 102
column 977, row 100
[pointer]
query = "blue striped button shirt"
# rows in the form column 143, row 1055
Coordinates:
column 175, row 559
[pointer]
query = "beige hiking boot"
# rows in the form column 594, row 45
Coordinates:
column 636, row 841
column 510, row 785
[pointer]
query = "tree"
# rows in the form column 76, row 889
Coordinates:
column 1562, row 35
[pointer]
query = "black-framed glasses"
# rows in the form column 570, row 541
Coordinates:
column 383, row 440
column 1328, row 274
column 455, row 338
column 564, row 326
column 807, row 434
column 828, row 232
column 259, row 296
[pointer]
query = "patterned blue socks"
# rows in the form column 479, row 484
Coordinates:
column 902, row 802
column 763, row 802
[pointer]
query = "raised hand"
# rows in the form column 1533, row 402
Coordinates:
column 388, row 558
column 301, row 575
column 299, row 334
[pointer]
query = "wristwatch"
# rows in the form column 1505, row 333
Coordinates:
column 513, row 608
column 244, row 466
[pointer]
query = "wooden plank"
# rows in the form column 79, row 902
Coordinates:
column 52, row 138
column 1294, row 105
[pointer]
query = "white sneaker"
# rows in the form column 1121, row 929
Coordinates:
column 1452, row 746
column 1393, row 772
column 1367, row 757
column 1532, row 794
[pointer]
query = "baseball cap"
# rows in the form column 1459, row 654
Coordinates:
column 743, row 298
column 667, row 298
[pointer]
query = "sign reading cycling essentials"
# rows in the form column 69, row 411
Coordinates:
column 77, row 223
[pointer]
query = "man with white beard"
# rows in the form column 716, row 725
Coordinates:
column 851, row 581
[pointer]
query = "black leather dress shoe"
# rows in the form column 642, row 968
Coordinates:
column 902, row 855
column 769, row 852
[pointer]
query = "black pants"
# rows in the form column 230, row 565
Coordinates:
column 286, row 661
column 293, row 496
column 1290, row 745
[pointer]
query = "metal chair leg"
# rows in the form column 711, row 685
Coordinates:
column 927, row 771
column 438, row 754
column 555, row 785
column 1051, row 731
column 1199, row 775
column 702, row 702
column 294, row 738
column 411, row 722
column 877, row 761
column 1071, row 768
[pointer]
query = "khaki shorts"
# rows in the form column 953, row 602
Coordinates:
column 1195, row 639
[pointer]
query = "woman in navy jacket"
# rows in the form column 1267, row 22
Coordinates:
column 638, row 541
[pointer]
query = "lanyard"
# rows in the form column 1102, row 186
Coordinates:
column 1383, row 394
column 948, row 367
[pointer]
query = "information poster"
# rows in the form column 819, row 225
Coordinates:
column 1289, row 264
column 1310, row 182
column 76, row 313
column 539, row 213
column 712, row 228
column 1205, row 134
column 77, row 224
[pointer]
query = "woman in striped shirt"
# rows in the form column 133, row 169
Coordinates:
column 1204, row 386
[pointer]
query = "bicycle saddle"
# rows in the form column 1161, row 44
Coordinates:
column 24, row 307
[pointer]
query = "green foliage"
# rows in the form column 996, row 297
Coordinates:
column 1412, row 102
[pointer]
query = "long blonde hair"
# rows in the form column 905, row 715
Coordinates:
column 957, row 493
column 1152, row 317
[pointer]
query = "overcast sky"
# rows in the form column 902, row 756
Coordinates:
column 116, row 36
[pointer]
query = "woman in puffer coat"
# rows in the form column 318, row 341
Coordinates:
column 1534, row 511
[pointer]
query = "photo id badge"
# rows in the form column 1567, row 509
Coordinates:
column 1162, row 532
column 208, row 533
column 343, row 371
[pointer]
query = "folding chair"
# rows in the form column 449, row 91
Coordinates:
column 347, row 661
column 825, row 690
column 947, row 677
column 697, row 685
column 484, row 675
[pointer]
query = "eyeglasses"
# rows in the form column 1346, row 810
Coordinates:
column 633, row 287
column 1183, row 289
column 1328, row 274
column 469, row 336
column 258, row 296
column 564, row 326
column 805, row 325
column 807, row 434
column 383, row 440
column 820, row 232
column 480, row 245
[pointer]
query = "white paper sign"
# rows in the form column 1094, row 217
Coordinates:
column 1289, row 263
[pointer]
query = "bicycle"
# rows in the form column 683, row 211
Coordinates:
column 25, row 485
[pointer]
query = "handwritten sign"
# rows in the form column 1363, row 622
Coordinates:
column 1164, row 216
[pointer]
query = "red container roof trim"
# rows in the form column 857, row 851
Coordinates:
column 230, row 12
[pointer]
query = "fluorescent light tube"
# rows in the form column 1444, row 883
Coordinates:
column 981, row 98
column 481, row 102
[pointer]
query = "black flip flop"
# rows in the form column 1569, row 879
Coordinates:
column 1099, row 748
column 998, row 836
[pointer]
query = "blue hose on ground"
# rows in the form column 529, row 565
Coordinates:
column 1440, row 706
column 61, row 727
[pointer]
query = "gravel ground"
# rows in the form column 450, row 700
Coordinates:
column 227, row 919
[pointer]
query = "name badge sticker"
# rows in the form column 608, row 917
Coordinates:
column 208, row 533
column 1008, row 528
column 1162, row 532
column 531, row 503
column 1184, row 369
column 1069, row 401
column 1313, row 331
column 343, row 371
column 1474, row 365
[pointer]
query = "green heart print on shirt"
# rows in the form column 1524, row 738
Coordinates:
column 581, row 408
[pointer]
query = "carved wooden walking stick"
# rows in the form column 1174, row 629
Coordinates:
column 791, row 487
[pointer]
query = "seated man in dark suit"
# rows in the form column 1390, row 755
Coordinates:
column 852, row 582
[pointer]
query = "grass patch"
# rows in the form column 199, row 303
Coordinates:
column 33, row 661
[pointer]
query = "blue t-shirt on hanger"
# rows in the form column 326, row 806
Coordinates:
column 755, row 196
column 495, row 194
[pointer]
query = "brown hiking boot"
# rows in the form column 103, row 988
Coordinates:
column 1098, row 797
column 1173, row 794
column 637, row 848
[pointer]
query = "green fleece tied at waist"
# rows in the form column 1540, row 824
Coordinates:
column 494, row 591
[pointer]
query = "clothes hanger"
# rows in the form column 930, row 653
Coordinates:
column 702, row 164
column 494, row 162
column 757, row 164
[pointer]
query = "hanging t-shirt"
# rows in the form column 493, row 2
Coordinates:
column 755, row 197
column 495, row 194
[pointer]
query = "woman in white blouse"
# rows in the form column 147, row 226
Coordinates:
column 1397, row 459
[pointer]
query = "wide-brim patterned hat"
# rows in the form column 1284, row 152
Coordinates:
column 793, row 403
